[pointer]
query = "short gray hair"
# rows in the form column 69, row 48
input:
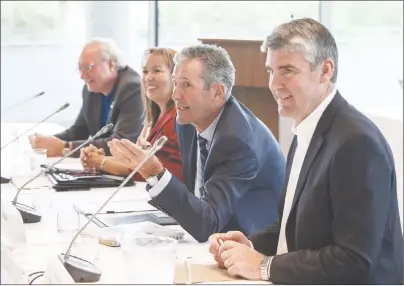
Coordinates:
column 218, row 66
column 110, row 50
column 307, row 36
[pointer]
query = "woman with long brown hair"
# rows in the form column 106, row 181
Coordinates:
column 160, row 118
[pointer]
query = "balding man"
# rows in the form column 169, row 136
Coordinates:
column 111, row 94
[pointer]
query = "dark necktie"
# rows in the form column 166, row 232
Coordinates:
column 203, row 152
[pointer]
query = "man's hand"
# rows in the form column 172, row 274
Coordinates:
column 216, row 239
column 131, row 155
column 91, row 156
column 241, row 260
column 52, row 144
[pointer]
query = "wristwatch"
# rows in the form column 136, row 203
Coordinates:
column 264, row 267
column 66, row 148
column 152, row 180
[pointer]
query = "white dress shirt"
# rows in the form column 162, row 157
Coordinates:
column 304, row 132
column 208, row 134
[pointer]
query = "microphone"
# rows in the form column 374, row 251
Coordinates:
column 63, row 107
column 29, row 214
column 82, row 270
column 22, row 102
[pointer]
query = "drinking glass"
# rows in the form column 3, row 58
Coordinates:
column 86, row 247
column 67, row 221
column 144, row 255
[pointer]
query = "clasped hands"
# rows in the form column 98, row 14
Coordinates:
column 233, row 250
column 91, row 156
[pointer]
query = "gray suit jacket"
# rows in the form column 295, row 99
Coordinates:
column 126, row 113
column 344, row 224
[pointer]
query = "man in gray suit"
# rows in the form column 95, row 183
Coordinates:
column 111, row 94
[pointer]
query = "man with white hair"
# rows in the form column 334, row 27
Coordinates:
column 111, row 94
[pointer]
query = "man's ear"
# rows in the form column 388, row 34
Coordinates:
column 218, row 90
column 112, row 64
column 327, row 70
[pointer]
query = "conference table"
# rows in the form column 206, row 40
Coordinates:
column 44, row 242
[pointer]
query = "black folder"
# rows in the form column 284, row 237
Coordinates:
column 74, row 180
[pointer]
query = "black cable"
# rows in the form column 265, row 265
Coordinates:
column 36, row 277
column 36, row 272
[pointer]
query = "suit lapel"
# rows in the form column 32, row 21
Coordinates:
column 189, row 162
column 96, row 111
column 316, row 142
column 311, row 154
column 289, row 161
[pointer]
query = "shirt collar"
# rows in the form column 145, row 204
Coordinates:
column 305, row 129
column 210, row 131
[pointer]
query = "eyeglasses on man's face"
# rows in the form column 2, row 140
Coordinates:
column 88, row 68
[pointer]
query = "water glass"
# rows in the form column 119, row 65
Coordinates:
column 86, row 247
column 144, row 255
column 68, row 221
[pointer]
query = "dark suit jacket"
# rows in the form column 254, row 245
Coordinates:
column 126, row 113
column 244, row 175
column 344, row 225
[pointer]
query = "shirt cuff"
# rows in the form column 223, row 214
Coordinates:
column 161, row 184
column 269, row 268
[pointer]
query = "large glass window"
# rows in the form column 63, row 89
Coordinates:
column 31, row 21
column 370, row 42
column 40, row 45
column 183, row 22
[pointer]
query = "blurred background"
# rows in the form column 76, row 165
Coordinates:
column 41, row 42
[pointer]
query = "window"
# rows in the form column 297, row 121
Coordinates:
column 41, row 43
column 369, row 36
column 183, row 22
column 31, row 21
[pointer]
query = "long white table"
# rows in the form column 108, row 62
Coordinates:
column 45, row 243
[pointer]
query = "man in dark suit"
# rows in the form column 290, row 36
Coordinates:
column 232, row 165
column 111, row 94
column 338, row 217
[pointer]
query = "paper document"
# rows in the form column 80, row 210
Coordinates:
column 206, row 272
column 40, row 182
column 67, row 163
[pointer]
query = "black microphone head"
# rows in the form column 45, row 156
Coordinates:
column 160, row 142
column 64, row 106
column 104, row 130
column 40, row 94
column 107, row 128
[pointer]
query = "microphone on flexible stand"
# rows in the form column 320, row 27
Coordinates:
column 30, row 214
column 22, row 102
column 82, row 270
column 63, row 107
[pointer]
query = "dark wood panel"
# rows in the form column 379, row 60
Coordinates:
column 251, row 86
column 261, row 102
column 248, row 60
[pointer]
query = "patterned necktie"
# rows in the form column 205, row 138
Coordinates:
column 203, row 152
